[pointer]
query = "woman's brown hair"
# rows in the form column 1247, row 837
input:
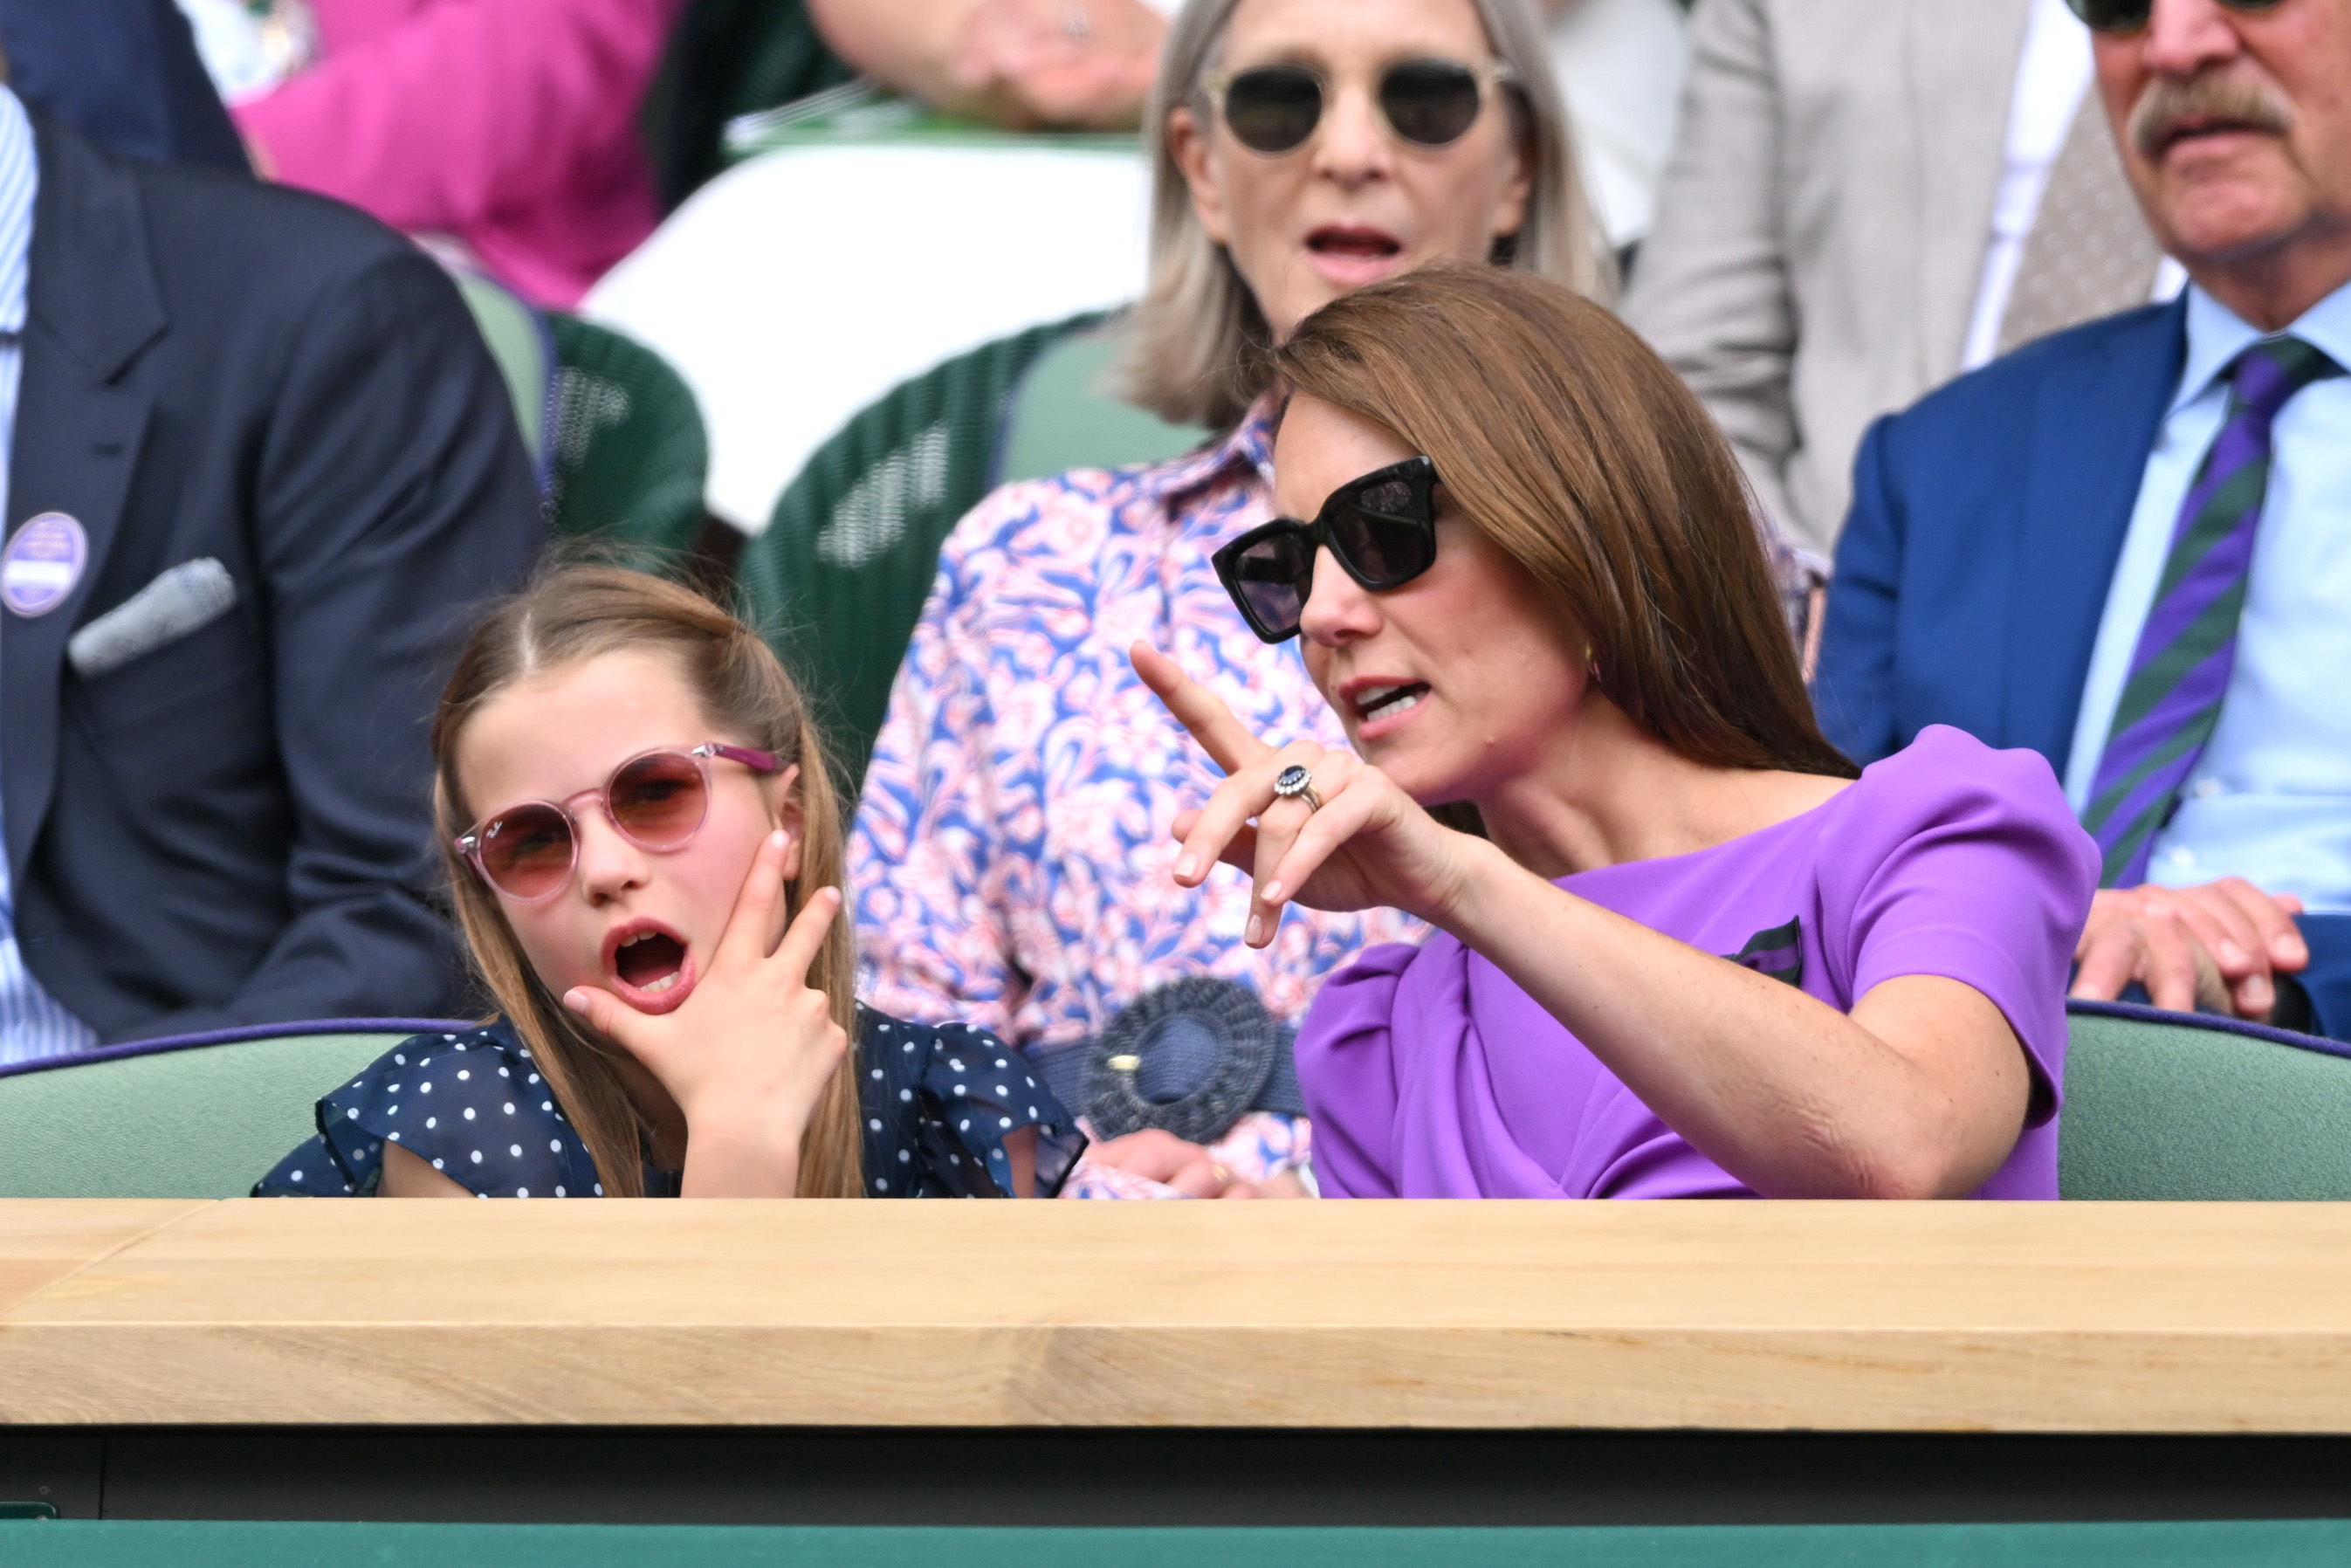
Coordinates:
column 1563, row 438
column 576, row 613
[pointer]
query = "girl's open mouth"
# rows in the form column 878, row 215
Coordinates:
column 649, row 966
column 651, row 962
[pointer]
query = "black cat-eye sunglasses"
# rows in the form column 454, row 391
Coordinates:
column 1382, row 529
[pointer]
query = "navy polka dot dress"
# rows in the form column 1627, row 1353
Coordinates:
column 937, row 1105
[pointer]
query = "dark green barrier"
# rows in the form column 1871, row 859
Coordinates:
column 143, row 1544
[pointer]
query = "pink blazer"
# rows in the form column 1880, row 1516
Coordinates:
column 510, row 124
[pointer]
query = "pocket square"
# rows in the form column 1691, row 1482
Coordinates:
column 188, row 598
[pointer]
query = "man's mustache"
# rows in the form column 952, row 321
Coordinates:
column 2167, row 105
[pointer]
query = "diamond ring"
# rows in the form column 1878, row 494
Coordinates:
column 1295, row 783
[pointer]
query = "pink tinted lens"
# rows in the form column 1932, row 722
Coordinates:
column 527, row 852
column 659, row 800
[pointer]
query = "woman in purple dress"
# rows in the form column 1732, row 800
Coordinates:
column 1682, row 949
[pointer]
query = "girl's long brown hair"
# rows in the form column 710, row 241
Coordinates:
column 1570, row 444
column 576, row 613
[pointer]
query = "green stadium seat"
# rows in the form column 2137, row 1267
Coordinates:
column 202, row 1115
column 525, row 349
column 613, row 431
column 2159, row 1106
column 1061, row 417
column 838, row 578
column 2177, row 1106
column 629, row 451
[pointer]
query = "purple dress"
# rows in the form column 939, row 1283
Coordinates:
column 1430, row 1073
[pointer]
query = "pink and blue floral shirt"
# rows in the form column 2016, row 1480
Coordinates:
column 1011, row 857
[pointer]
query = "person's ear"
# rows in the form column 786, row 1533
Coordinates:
column 1187, row 145
column 1518, row 181
column 784, row 811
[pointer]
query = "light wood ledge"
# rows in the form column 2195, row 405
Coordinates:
column 1742, row 1316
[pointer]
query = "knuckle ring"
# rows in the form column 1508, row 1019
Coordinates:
column 1295, row 783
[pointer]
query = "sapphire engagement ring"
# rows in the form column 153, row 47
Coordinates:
column 1294, row 783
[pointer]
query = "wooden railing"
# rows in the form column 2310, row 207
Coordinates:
column 1729, row 1316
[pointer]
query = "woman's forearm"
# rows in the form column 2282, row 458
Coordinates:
column 908, row 45
column 1920, row 1094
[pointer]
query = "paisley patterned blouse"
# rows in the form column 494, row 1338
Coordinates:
column 1011, row 858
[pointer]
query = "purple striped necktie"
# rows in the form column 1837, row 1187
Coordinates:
column 2180, row 671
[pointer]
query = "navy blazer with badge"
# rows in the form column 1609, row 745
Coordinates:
column 1972, row 572
column 235, row 828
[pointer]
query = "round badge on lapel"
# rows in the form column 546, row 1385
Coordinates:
column 42, row 563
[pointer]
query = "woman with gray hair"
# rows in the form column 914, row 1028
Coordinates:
column 1214, row 287
column 1011, row 855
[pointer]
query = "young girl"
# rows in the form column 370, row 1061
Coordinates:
column 645, row 851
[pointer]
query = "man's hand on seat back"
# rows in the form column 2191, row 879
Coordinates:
column 2213, row 946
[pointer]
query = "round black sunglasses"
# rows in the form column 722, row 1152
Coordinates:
column 2130, row 15
column 1426, row 102
column 1381, row 528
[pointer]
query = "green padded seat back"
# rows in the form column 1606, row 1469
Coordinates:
column 2171, row 1106
column 179, row 1120
column 630, row 452
column 519, row 341
column 1062, row 415
column 838, row 578
column 613, row 431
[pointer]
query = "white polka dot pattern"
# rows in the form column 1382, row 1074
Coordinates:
column 910, row 1149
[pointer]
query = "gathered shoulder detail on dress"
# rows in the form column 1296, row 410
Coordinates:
column 470, row 1104
column 1953, row 859
column 1350, row 1040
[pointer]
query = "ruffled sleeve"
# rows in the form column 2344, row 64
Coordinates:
column 473, row 1105
column 939, row 1104
column 1966, row 862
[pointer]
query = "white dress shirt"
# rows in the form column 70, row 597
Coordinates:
column 2270, row 799
column 32, row 1023
column 1619, row 64
column 2052, row 75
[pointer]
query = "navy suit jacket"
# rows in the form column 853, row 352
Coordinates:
column 1972, row 572
column 124, row 73
column 235, row 828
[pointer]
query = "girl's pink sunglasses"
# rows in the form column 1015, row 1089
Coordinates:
column 657, row 800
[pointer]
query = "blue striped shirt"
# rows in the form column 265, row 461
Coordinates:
column 32, row 1022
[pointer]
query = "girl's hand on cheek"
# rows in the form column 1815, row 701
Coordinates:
column 1370, row 845
column 749, row 1055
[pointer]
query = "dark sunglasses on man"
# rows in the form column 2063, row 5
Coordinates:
column 2130, row 15
column 1426, row 102
column 1381, row 528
